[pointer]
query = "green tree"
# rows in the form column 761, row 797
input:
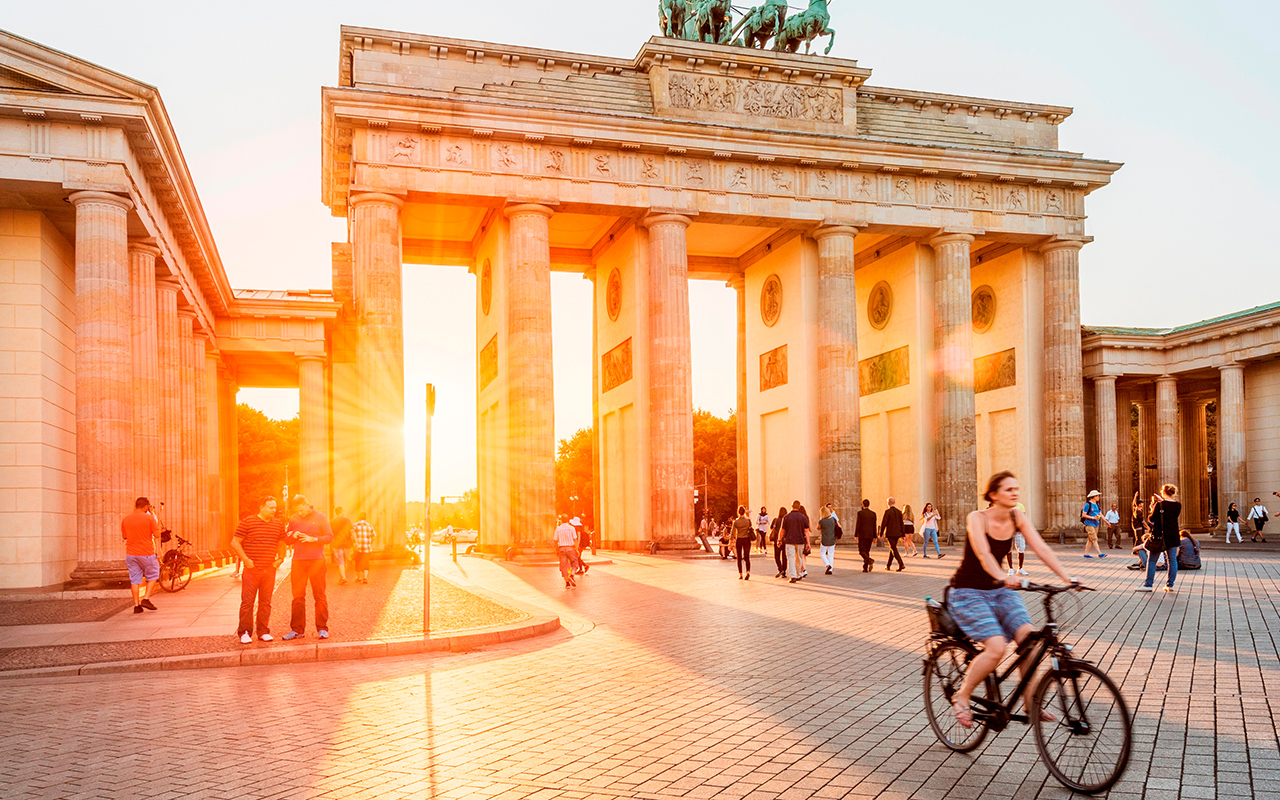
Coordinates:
column 715, row 463
column 267, row 447
column 575, row 477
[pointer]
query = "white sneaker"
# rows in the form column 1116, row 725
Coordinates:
column 1142, row 589
column 245, row 638
column 266, row 637
column 1023, row 572
column 1010, row 571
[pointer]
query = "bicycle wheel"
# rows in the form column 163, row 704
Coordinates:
column 942, row 678
column 1087, row 746
column 181, row 576
column 166, row 576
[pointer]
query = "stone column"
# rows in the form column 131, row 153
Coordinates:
column 314, row 434
column 230, row 455
column 597, row 434
column 530, row 386
column 839, row 421
column 1202, row 459
column 204, row 535
column 1167, row 430
column 670, row 382
column 1189, row 466
column 1104, row 404
column 146, row 371
column 957, row 444
column 375, row 232
column 169, row 361
column 189, row 524
column 1233, row 472
column 213, row 438
column 1147, row 478
column 104, row 382
column 1124, row 453
column 739, row 285
column 1064, row 389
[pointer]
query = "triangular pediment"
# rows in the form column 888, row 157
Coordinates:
column 28, row 66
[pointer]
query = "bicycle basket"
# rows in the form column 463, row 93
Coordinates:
column 940, row 620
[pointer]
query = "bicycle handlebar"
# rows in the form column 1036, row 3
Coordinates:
column 1028, row 586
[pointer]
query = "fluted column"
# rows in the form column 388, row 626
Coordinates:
column 314, row 434
column 1147, row 478
column 1064, row 388
column 230, row 455
column 1104, row 404
column 957, row 447
column 1189, row 466
column 104, row 381
column 1124, row 453
column 375, row 233
column 1167, row 430
column 213, row 448
column 839, row 421
column 169, row 360
column 146, row 370
column 739, row 285
column 530, row 384
column 190, row 507
column 204, row 537
column 1233, row 472
column 670, row 381
column 1202, row 459
column 597, row 433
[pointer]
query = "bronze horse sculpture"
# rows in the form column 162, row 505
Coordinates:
column 708, row 21
column 671, row 16
column 805, row 27
column 761, row 23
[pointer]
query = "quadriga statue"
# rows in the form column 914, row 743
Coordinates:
column 761, row 23
column 805, row 27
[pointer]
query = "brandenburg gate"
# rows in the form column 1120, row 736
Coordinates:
column 906, row 265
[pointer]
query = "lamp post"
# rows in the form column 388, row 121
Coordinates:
column 426, row 520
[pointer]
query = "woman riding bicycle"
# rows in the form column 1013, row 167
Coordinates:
column 981, row 597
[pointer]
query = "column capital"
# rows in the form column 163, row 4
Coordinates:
column 187, row 313
column 169, row 284
column 358, row 198
column 662, row 218
column 589, row 274
column 1232, row 366
column 103, row 198
column 523, row 209
column 1063, row 243
column 837, row 229
column 949, row 237
column 1105, row 379
column 737, row 282
column 1166, row 379
column 323, row 359
column 145, row 246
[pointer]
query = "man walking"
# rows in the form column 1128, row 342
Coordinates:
column 259, row 541
column 310, row 532
column 1091, row 516
column 362, row 535
column 566, row 541
column 341, row 542
column 891, row 530
column 795, row 534
column 139, row 531
column 865, row 530
column 1112, row 518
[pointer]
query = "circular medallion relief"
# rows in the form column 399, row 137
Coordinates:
column 613, row 295
column 984, row 308
column 880, row 305
column 486, row 287
column 771, row 300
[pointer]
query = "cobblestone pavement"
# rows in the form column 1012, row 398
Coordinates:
column 673, row 679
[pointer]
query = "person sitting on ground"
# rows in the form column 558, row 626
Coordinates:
column 1188, row 551
column 1147, row 548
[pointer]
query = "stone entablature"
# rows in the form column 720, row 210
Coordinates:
column 1245, row 336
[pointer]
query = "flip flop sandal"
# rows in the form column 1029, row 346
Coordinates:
column 964, row 715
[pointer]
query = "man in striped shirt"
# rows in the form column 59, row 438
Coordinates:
column 259, row 541
column 362, row 533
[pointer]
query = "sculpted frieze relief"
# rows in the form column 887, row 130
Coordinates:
column 755, row 98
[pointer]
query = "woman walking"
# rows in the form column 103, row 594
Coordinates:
column 827, row 546
column 743, row 536
column 779, row 546
column 1165, row 510
column 909, row 530
column 1139, row 515
column 1233, row 523
column 1258, row 515
column 929, row 526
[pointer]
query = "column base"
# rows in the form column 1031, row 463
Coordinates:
column 1068, row 535
column 93, row 574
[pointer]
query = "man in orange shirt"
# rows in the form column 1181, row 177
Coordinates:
column 139, row 530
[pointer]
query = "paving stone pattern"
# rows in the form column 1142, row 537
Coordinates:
column 673, row 679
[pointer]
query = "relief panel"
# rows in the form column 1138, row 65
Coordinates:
column 885, row 371
column 996, row 371
column 615, row 366
column 489, row 362
column 755, row 98
column 773, row 368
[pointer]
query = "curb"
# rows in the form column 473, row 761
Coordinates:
column 540, row 624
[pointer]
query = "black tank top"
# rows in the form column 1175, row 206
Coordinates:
column 971, row 574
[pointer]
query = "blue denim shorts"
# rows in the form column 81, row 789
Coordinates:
column 983, row 613
column 142, row 568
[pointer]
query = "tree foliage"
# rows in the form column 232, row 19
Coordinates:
column 267, row 448
column 715, row 463
column 575, row 477
column 461, row 512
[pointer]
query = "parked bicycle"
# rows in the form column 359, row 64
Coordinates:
column 177, row 565
column 1083, row 729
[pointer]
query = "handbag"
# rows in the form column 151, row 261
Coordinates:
column 839, row 530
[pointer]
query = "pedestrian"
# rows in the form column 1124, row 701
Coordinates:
column 341, row 527
column 891, row 530
column 310, row 532
column 929, row 526
column 566, row 541
column 1188, row 551
column 583, row 543
column 909, row 530
column 1258, row 515
column 726, row 546
column 259, row 542
column 795, row 534
column 779, row 546
column 704, row 528
column 1138, row 515
column 1233, row 523
column 1112, row 518
column 865, row 531
column 1165, row 510
column 743, row 536
column 362, row 536
column 139, row 530
column 827, row 538
column 762, row 529
column 1090, row 517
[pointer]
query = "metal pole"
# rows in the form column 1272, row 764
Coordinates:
column 426, row 520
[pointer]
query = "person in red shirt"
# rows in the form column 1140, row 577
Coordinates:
column 139, row 530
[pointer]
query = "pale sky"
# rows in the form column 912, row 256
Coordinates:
column 1185, row 94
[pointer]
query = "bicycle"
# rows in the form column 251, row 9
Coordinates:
column 1086, row 747
column 177, row 565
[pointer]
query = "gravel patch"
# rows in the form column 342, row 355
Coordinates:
column 50, row 612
